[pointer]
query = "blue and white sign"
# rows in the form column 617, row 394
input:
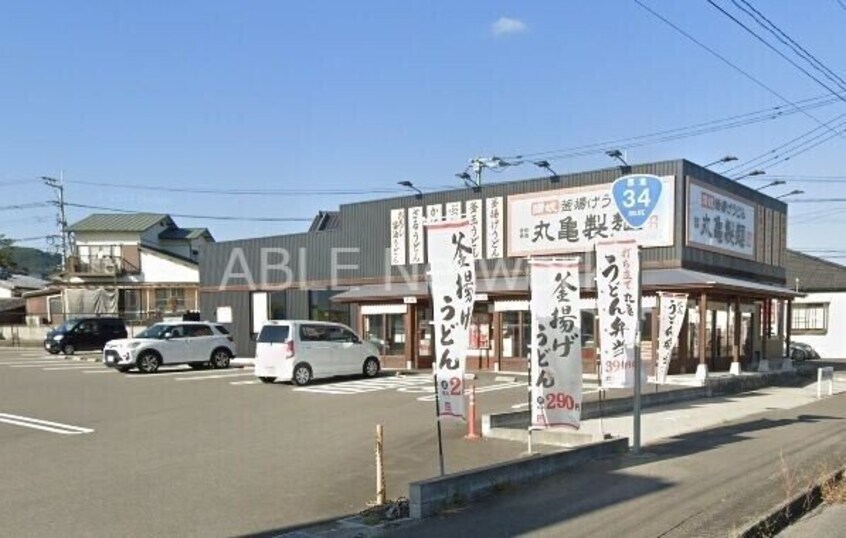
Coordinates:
column 636, row 197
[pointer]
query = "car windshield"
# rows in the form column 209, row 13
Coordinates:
column 155, row 331
column 67, row 326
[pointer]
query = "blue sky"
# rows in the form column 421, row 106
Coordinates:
column 360, row 95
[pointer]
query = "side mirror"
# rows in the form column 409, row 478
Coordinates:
column 167, row 336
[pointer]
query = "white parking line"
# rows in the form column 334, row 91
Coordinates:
column 489, row 388
column 34, row 361
column 104, row 371
column 367, row 385
column 77, row 367
column 44, row 425
column 218, row 376
column 37, row 365
column 250, row 382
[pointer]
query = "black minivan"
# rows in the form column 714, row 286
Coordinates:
column 84, row 334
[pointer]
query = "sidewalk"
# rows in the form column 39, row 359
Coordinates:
column 708, row 468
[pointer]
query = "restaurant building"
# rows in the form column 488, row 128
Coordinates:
column 715, row 239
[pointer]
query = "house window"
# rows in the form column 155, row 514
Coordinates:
column 810, row 318
column 170, row 300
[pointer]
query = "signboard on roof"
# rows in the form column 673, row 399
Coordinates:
column 575, row 219
column 720, row 222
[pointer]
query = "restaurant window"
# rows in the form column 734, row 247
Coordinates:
column 810, row 318
column 386, row 332
column 322, row 308
column 588, row 337
column 516, row 334
column 170, row 300
column 277, row 305
column 480, row 327
column 425, row 330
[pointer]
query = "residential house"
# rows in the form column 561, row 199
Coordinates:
column 140, row 266
column 819, row 317
column 12, row 287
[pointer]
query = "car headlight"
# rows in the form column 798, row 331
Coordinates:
column 133, row 345
column 58, row 337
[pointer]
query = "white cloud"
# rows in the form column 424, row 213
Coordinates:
column 507, row 25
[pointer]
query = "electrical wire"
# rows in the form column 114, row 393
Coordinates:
column 791, row 43
column 249, row 192
column 204, row 217
column 725, row 60
column 773, row 48
column 23, row 206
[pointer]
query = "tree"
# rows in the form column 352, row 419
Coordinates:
column 6, row 259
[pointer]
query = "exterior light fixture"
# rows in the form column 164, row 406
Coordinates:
column 791, row 193
column 411, row 186
column 546, row 166
column 750, row 174
column 771, row 184
column 726, row 159
column 617, row 154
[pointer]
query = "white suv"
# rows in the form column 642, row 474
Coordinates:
column 198, row 344
column 300, row 351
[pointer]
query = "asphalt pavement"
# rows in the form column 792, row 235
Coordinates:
column 90, row 451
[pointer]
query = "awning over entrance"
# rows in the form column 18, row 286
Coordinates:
column 653, row 280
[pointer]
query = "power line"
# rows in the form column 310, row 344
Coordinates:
column 788, row 41
column 250, row 192
column 23, row 206
column 204, row 217
column 771, row 47
column 725, row 60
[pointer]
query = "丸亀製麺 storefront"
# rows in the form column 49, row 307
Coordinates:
column 713, row 239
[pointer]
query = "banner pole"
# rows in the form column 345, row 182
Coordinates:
column 637, row 361
column 438, row 422
column 529, row 399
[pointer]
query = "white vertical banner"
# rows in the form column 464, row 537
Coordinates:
column 452, row 281
column 398, row 237
column 415, row 234
column 494, row 227
column 474, row 215
column 617, row 297
column 556, row 370
column 673, row 307
column 453, row 211
column 434, row 213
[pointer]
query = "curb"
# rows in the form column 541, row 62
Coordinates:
column 789, row 511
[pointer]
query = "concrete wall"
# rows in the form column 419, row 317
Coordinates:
column 832, row 344
column 158, row 268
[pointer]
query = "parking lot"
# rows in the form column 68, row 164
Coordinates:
column 88, row 450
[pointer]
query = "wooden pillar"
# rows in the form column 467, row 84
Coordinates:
column 765, row 314
column 656, row 312
column 410, row 340
column 703, row 323
column 738, row 316
column 496, row 341
column 788, row 326
column 684, row 343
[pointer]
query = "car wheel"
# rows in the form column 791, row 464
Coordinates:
column 302, row 374
column 148, row 363
column 68, row 349
column 265, row 379
column 220, row 359
column 371, row 367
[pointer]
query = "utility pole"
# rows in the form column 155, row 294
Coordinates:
column 58, row 186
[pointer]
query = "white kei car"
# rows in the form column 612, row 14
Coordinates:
column 198, row 344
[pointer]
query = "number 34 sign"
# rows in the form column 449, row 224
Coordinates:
column 636, row 197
